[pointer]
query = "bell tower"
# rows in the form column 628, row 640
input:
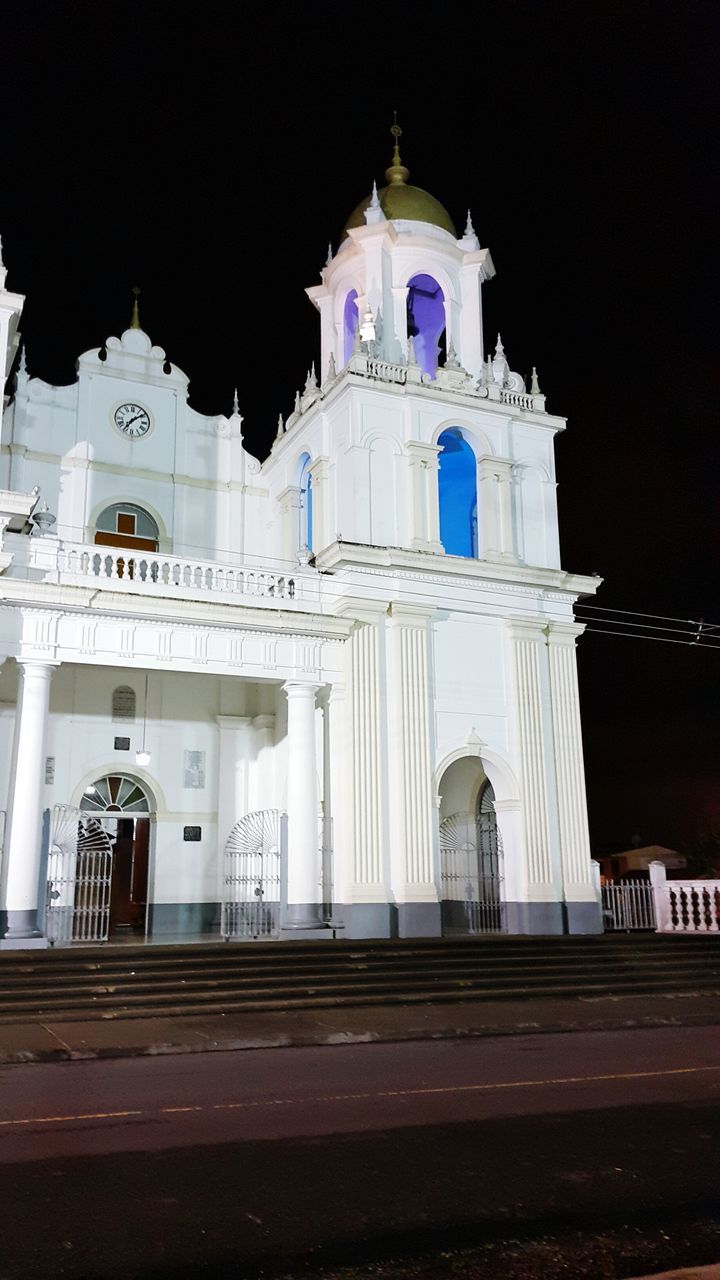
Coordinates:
column 401, row 272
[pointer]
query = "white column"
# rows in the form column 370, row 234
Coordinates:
column 338, row 795
column 528, row 655
column 412, row 853
column 303, row 835
column 578, row 883
column 367, row 773
column 25, row 816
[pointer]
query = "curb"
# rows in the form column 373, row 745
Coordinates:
column 310, row 1039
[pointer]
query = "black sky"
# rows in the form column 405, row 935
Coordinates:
column 208, row 153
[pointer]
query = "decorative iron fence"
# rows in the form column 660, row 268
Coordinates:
column 79, row 877
column 470, row 874
column 255, row 876
column 629, row 905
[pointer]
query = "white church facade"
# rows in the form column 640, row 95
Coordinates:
column 329, row 694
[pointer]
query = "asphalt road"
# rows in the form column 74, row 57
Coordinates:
column 189, row 1165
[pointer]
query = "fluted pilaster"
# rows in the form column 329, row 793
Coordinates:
column 570, row 774
column 366, row 748
column 410, row 753
column 527, row 645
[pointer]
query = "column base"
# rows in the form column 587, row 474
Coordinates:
column 534, row 917
column 19, row 924
column 302, row 916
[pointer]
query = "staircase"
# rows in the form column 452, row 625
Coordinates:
column 161, row 981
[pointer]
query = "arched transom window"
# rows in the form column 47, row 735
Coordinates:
column 125, row 525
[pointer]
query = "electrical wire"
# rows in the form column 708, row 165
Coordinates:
column 633, row 635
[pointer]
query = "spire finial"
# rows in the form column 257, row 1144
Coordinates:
column 22, row 367
column 329, row 258
column 535, row 383
column 396, row 173
column 236, row 406
column 135, row 321
column 469, row 228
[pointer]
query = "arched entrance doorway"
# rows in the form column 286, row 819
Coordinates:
column 121, row 805
column 471, row 864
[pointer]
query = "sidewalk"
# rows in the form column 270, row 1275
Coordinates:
column 57, row 1041
column 686, row 1273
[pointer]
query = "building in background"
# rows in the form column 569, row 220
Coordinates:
column 335, row 689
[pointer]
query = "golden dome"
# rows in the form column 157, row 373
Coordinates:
column 401, row 200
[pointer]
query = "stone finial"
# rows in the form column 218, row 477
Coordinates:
column 411, row 357
column 489, row 378
column 280, row 427
column 296, row 407
column 332, row 371
column 22, row 366
column 311, row 380
column 367, row 328
column 534, row 383
column 329, row 258
column 236, row 406
column 374, row 212
column 469, row 228
column 451, row 359
column 501, row 368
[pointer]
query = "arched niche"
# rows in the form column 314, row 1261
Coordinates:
column 425, row 319
column 304, row 482
column 350, row 320
column 457, row 494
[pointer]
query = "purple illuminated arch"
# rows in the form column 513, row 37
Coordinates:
column 425, row 320
column 350, row 319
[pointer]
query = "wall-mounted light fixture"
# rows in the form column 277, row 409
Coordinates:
column 142, row 757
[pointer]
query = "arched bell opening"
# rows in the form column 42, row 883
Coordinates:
column 457, row 494
column 125, row 525
column 306, row 502
column 426, row 320
column 471, row 864
column 350, row 323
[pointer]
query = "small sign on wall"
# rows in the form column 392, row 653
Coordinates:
column 192, row 833
column 49, row 770
column 122, row 744
column 194, row 770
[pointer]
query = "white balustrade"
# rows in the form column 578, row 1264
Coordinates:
column 142, row 572
column 517, row 399
column 685, row 906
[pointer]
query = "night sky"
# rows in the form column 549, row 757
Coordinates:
column 208, row 154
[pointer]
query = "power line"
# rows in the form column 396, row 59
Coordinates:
column 633, row 635
column 660, row 617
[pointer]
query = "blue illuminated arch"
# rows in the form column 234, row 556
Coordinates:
column 457, row 484
column 425, row 319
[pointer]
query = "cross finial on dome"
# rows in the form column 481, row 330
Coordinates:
column 135, row 321
column 396, row 173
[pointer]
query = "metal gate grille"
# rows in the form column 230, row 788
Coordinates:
column 630, row 905
column 79, row 874
column 254, row 876
column 471, row 879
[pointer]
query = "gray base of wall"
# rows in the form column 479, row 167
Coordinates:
column 534, row 917
column 418, row 920
column 183, row 918
column 584, row 917
column 367, row 920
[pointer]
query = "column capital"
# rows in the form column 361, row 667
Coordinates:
column 233, row 722
column 490, row 466
column 527, row 628
column 565, row 633
column 264, row 721
column 39, row 666
column 298, row 688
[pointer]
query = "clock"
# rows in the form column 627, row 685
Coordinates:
column 131, row 420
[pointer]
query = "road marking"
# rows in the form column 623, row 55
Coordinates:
column 364, row 1097
column 87, row 1115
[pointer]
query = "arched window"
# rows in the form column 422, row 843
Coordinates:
column 425, row 320
column 123, row 703
column 306, row 503
column 350, row 320
column 457, row 483
column 125, row 525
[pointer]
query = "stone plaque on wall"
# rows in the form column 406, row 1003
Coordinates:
column 49, row 770
column 194, row 773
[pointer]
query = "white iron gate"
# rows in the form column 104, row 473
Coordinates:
column 254, row 880
column 471, row 878
column 79, row 875
column 630, row 905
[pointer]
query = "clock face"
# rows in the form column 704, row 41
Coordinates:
column 132, row 420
